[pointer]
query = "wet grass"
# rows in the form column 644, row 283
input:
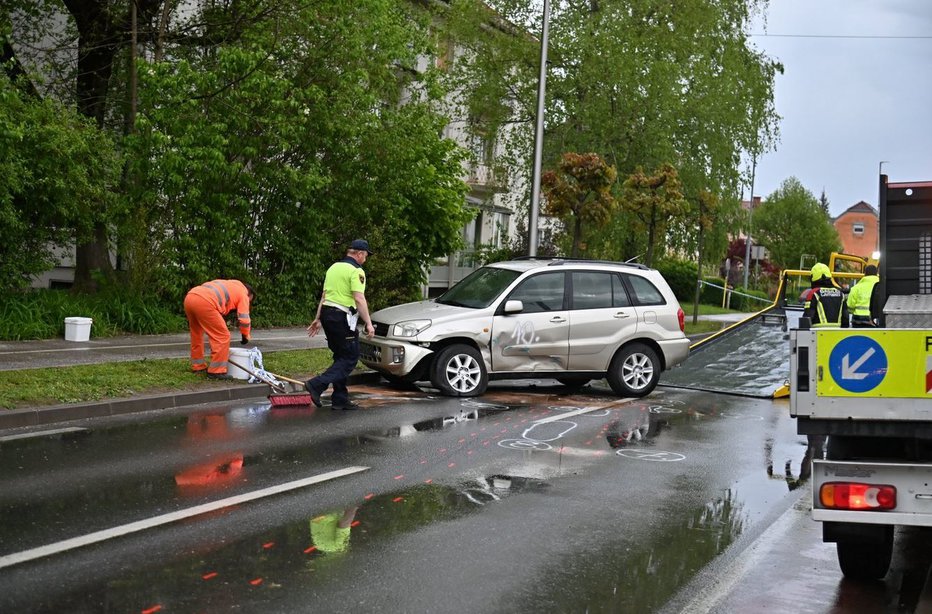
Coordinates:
column 85, row 383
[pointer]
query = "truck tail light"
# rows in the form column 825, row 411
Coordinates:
column 857, row 496
column 681, row 317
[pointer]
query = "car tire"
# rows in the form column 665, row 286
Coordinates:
column 634, row 371
column 458, row 371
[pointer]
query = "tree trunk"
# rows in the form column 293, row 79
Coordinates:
column 98, row 41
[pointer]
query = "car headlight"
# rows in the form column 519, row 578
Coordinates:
column 411, row 328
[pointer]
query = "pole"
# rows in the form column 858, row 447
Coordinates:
column 538, row 136
column 747, row 242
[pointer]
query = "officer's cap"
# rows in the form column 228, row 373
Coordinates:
column 360, row 245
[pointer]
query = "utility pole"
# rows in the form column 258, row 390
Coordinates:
column 747, row 241
column 538, row 136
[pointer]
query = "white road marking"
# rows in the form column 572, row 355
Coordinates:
column 579, row 412
column 71, row 429
column 142, row 525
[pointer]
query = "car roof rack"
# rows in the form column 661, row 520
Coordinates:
column 558, row 261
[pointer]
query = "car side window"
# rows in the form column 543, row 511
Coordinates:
column 592, row 290
column 542, row 292
column 645, row 292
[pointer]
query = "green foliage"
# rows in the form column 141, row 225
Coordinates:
column 653, row 200
column 712, row 295
column 681, row 275
column 580, row 191
column 791, row 222
column 743, row 303
column 41, row 314
column 53, row 166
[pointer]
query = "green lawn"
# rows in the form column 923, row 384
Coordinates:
column 83, row 383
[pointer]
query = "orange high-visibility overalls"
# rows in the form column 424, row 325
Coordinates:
column 206, row 306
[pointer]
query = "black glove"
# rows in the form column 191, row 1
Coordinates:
column 244, row 340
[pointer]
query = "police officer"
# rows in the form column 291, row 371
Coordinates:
column 342, row 303
column 825, row 304
column 864, row 300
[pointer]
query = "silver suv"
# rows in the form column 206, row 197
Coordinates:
column 572, row 320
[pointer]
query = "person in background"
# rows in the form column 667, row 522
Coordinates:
column 206, row 307
column 824, row 303
column 342, row 303
column 864, row 300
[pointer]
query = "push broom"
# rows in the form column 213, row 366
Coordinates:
column 279, row 398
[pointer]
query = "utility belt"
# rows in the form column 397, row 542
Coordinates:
column 343, row 308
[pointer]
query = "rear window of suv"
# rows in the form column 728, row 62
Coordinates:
column 645, row 292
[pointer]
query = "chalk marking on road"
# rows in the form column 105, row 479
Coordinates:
column 579, row 412
column 70, row 429
column 149, row 523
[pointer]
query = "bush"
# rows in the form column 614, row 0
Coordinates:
column 743, row 303
column 710, row 295
column 681, row 275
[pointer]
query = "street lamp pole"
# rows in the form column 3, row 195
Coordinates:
column 538, row 135
column 747, row 241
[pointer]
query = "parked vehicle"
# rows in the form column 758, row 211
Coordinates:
column 870, row 391
column 572, row 320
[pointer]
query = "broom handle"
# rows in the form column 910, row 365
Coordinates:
column 287, row 379
column 257, row 376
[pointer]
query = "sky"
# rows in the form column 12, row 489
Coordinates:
column 856, row 90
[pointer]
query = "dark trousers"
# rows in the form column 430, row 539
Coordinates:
column 344, row 344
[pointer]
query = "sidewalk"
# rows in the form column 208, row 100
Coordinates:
column 52, row 353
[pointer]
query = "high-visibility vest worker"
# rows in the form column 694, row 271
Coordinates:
column 824, row 303
column 864, row 300
column 206, row 307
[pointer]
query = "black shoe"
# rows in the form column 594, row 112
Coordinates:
column 315, row 396
column 348, row 406
column 219, row 376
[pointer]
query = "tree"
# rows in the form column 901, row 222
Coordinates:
column 791, row 222
column 653, row 199
column 823, row 202
column 53, row 163
column 580, row 191
column 641, row 83
column 266, row 136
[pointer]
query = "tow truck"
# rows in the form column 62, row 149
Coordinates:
column 869, row 391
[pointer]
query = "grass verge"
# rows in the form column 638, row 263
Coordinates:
column 88, row 383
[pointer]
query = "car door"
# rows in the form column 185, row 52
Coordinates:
column 537, row 338
column 602, row 317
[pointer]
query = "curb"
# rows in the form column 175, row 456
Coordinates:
column 36, row 416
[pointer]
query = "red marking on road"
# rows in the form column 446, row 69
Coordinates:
column 256, row 581
column 152, row 610
column 503, row 431
column 442, row 450
column 398, row 477
column 482, row 429
column 310, row 549
column 398, row 499
column 423, row 461
column 428, row 481
column 469, row 452
column 355, row 523
column 461, row 440
column 452, row 465
column 474, row 434
column 210, row 576
column 268, row 545
column 486, row 442
column 369, row 496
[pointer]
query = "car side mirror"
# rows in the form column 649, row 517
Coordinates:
column 513, row 307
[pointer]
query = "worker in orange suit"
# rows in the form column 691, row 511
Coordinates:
column 207, row 306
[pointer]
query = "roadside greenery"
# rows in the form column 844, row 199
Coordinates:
column 84, row 383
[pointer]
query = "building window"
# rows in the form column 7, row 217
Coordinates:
column 858, row 229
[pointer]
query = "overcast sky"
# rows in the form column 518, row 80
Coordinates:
column 849, row 97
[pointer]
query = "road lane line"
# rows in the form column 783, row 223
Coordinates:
column 579, row 412
column 149, row 523
column 70, row 429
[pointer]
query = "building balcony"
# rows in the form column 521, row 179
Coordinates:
column 487, row 177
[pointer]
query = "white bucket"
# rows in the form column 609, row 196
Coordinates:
column 240, row 356
column 78, row 329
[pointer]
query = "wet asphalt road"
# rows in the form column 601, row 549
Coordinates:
column 527, row 499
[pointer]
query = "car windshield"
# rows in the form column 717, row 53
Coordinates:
column 478, row 289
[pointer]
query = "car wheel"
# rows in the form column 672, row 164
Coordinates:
column 458, row 371
column 634, row 371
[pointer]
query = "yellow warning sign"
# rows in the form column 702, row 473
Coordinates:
column 858, row 362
